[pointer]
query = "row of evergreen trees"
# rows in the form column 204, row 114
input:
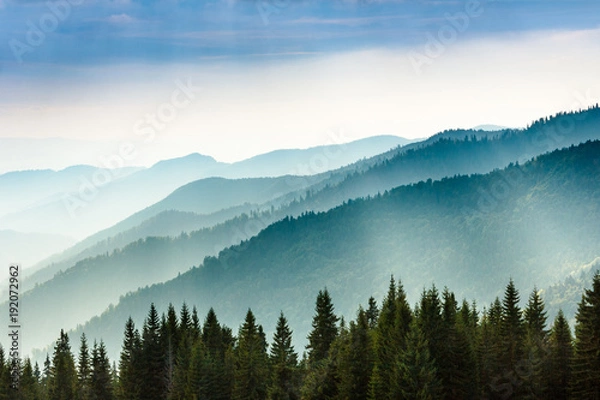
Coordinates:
column 437, row 350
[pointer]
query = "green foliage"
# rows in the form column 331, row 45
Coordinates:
column 153, row 359
column 418, row 377
column 560, row 358
column 130, row 371
column 101, row 376
column 355, row 358
column 586, row 360
column 470, row 362
column 84, row 371
column 324, row 328
column 251, row 368
column 284, row 364
column 446, row 230
column 62, row 383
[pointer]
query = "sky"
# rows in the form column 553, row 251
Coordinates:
column 236, row 78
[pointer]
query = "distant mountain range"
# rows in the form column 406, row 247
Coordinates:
column 532, row 222
column 446, row 154
column 88, row 199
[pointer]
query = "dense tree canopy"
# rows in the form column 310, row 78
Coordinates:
column 440, row 349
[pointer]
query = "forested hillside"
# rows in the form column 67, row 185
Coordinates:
column 441, row 348
column 533, row 222
column 445, row 154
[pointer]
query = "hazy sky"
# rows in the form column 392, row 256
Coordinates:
column 232, row 79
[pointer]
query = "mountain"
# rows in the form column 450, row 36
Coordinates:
column 92, row 199
column 22, row 190
column 315, row 160
column 444, row 154
column 197, row 205
column 441, row 158
column 533, row 222
column 490, row 128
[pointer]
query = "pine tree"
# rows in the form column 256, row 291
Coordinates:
column 560, row 344
column 511, row 329
column 153, row 377
column 28, row 384
column 251, row 368
column 372, row 313
column 417, row 373
column 284, row 364
column 5, row 380
column 185, row 323
column 456, row 366
column 431, row 326
column 46, row 377
column 195, row 324
column 491, row 380
column 355, row 359
column 63, row 377
column 129, row 363
column 217, row 341
column 83, row 371
column 388, row 340
column 194, row 389
column 170, row 339
column 324, row 329
column 586, row 360
column 101, row 377
column 534, row 368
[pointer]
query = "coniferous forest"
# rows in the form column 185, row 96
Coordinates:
column 441, row 348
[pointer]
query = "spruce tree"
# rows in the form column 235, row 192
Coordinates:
column 355, row 359
column 586, row 360
column 130, row 363
column 154, row 373
column 251, row 368
column 46, row 377
column 185, row 322
column 431, row 326
column 28, row 384
column 284, row 364
column 558, row 378
column 418, row 378
column 456, row 364
column 217, row 341
column 372, row 313
column 324, row 330
column 511, row 329
column 534, row 369
column 194, row 375
column 489, row 352
column 170, row 336
column 83, row 371
column 101, row 377
column 62, row 383
column 388, row 340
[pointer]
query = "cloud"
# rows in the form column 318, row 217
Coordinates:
column 346, row 21
column 120, row 19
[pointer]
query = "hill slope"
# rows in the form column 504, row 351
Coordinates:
column 533, row 222
column 445, row 154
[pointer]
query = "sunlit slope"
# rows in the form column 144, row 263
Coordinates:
column 533, row 222
column 448, row 153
